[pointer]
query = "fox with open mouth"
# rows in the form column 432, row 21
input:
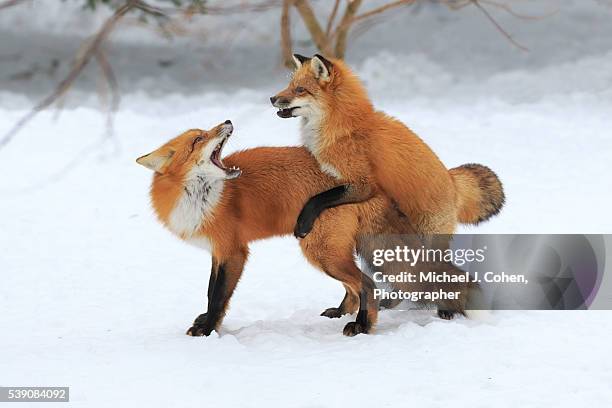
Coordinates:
column 223, row 204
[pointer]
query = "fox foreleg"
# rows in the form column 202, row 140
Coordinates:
column 339, row 195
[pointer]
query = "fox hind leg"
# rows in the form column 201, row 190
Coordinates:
column 368, row 310
column 330, row 247
column 446, row 314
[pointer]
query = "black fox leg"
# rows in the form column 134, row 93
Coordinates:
column 223, row 280
column 343, row 194
column 368, row 310
column 202, row 324
column 446, row 314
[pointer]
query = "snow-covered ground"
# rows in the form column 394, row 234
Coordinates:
column 96, row 295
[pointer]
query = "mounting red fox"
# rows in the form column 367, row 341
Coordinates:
column 224, row 204
column 369, row 152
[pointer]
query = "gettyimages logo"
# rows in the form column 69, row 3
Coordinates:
column 528, row 272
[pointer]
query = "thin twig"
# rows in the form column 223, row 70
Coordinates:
column 216, row 10
column 511, row 11
column 148, row 9
column 345, row 24
column 498, row 26
column 80, row 63
column 332, row 17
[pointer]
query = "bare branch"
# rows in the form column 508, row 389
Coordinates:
column 233, row 9
column 332, row 17
column 456, row 4
column 79, row 64
column 498, row 26
column 286, row 42
column 344, row 26
column 312, row 24
column 511, row 11
column 148, row 9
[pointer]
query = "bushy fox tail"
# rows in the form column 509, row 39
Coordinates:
column 480, row 194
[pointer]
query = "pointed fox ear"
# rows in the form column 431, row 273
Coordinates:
column 321, row 67
column 300, row 60
column 157, row 161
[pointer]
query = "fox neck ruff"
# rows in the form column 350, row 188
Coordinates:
column 195, row 205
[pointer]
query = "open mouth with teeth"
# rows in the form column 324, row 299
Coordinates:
column 215, row 158
column 286, row 112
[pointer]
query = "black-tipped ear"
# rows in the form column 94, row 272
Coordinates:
column 322, row 67
column 328, row 64
column 300, row 60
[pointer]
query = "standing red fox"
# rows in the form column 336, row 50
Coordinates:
column 368, row 152
column 258, row 194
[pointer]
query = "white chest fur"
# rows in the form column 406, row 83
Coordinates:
column 197, row 202
column 310, row 133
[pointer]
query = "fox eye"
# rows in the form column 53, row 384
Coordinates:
column 300, row 90
column 195, row 141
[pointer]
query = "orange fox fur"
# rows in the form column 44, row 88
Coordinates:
column 375, row 153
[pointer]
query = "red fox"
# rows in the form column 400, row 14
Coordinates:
column 224, row 204
column 369, row 152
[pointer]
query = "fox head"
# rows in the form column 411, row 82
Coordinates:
column 195, row 152
column 319, row 85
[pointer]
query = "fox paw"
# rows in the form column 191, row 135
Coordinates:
column 333, row 313
column 354, row 328
column 446, row 314
column 303, row 227
column 305, row 221
column 200, row 327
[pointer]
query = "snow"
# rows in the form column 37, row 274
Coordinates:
column 96, row 295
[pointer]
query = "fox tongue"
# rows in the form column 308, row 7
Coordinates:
column 217, row 162
column 215, row 158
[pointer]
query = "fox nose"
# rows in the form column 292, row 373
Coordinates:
column 273, row 99
column 228, row 122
